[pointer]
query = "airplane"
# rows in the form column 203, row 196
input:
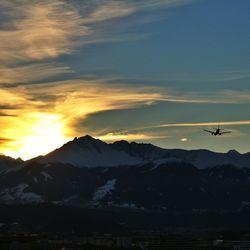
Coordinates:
column 217, row 131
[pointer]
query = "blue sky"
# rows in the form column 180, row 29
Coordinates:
column 151, row 71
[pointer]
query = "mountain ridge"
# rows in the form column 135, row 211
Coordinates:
column 90, row 152
column 87, row 151
column 154, row 179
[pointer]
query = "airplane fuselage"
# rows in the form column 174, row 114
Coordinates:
column 217, row 132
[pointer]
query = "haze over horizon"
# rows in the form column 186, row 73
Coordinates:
column 155, row 71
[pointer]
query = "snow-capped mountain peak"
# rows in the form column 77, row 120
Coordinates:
column 90, row 152
column 86, row 143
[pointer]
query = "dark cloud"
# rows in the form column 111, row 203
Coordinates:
column 5, row 114
column 8, row 107
column 5, row 140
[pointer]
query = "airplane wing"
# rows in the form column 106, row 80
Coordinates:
column 209, row 131
column 226, row 132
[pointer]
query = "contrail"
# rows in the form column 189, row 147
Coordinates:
column 199, row 124
column 194, row 124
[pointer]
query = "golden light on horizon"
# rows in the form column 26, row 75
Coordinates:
column 45, row 116
column 41, row 134
column 125, row 136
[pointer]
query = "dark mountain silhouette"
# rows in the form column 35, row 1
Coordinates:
column 9, row 164
column 89, row 152
column 130, row 178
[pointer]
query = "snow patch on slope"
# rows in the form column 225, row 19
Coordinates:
column 104, row 190
column 204, row 158
column 17, row 195
column 67, row 201
column 35, row 179
column 127, row 205
column 46, row 176
column 166, row 160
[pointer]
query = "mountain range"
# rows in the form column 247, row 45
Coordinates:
column 89, row 152
column 88, row 173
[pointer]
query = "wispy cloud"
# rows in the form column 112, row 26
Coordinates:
column 149, row 4
column 225, row 96
column 109, row 10
column 38, row 30
column 234, row 96
column 202, row 124
column 119, row 93
column 31, row 72
column 34, row 31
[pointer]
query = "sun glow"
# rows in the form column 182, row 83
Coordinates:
column 42, row 134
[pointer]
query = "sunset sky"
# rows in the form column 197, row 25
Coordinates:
column 156, row 71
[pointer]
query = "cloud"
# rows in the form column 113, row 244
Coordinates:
column 31, row 72
column 35, row 32
column 116, row 136
column 225, row 96
column 4, row 140
column 85, row 97
column 202, row 124
column 39, row 30
column 184, row 139
column 106, row 10
column 110, row 10
column 234, row 96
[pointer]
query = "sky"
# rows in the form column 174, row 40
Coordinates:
column 153, row 71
